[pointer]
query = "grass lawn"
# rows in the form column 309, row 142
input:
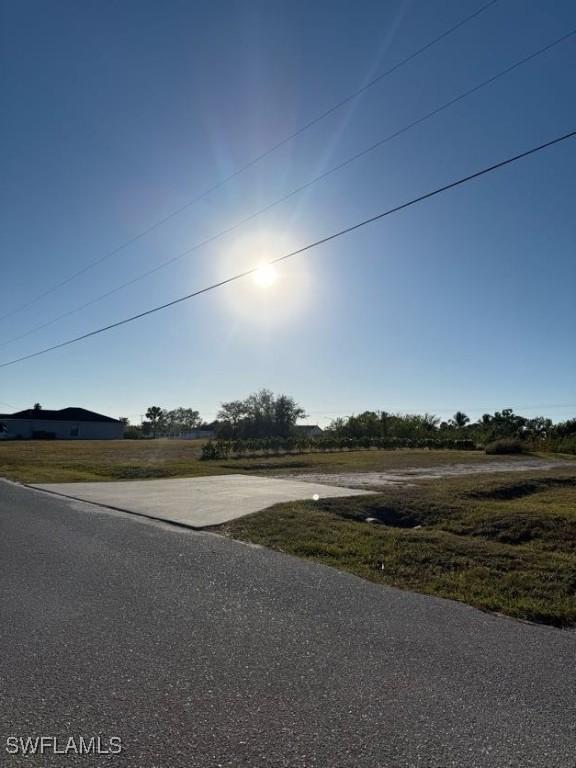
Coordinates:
column 61, row 461
column 503, row 543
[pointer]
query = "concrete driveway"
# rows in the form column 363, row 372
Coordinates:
column 196, row 502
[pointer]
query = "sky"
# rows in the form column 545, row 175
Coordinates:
column 116, row 114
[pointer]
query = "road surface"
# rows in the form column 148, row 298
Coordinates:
column 197, row 651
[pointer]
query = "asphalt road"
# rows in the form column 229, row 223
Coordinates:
column 198, row 651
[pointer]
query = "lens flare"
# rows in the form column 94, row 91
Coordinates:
column 265, row 276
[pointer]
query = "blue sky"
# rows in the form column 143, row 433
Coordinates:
column 115, row 114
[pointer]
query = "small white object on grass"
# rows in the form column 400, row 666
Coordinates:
column 316, row 497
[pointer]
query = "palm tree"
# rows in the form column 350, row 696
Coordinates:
column 460, row 419
column 155, row 415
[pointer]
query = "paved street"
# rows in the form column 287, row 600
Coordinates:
column 197, row 501
column 201, row 652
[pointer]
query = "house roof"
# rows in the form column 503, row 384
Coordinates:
column 65, row 414
column 308, row 427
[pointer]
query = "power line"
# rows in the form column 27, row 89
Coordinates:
column 252, row 162
column 344, row 413
column 305, row 248
column 297, row 190
column 3, row 402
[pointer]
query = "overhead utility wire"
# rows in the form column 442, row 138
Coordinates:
column 345, row 412
column 305, row 248
column 293, row 192
column 250, row 163
column 2, row 402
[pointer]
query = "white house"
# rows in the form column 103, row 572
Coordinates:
column 66, row 424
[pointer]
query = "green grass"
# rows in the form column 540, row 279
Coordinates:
column 504, row 543
column 60, row 461
column 30, row 461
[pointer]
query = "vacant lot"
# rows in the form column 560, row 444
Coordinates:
column 501, row 541
column 80, row 461
column 64, row 461
column 504, row 543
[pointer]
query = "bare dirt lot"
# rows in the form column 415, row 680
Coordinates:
column 408, row 476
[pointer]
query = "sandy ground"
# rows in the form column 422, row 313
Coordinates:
column 408, row 476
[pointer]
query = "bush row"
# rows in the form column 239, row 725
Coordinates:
column 505, row 445
column 563, row 445
column 223, row 449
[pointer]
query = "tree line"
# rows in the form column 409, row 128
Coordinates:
column 261, row 415
column 160, row 422
column 264, row 416
column 489, row 428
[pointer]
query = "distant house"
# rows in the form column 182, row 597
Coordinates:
column 66, row 424
column 309, row 430
column 195, row 434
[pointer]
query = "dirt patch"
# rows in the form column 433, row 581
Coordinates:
column 371, row 480
column 526, row 488
column 372, row 508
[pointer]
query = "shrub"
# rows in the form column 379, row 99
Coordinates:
column 568, row 445
column 564, row 445
column 505, row 445
column 132, row 433
column 464, row 445
column 252, row 447
column 211, row 451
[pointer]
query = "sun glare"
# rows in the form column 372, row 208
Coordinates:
column 265, row 276
column 274, row 294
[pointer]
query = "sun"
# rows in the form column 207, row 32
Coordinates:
column 274, row 292
column 265, row 276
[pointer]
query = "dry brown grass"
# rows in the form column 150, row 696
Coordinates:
column 59, row 461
